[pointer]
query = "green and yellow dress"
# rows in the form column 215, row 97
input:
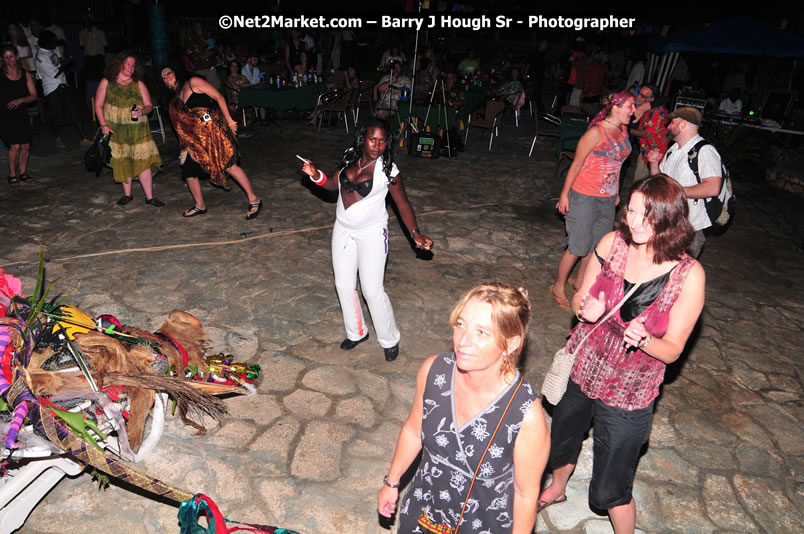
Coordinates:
column 133, row 148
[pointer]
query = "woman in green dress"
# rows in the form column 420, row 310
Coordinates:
column 121, row 102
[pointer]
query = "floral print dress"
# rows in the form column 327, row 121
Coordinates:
column 450, row 456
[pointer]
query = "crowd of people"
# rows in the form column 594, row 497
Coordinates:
column 637, row 294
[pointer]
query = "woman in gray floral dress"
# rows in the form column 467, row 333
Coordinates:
column 480, row 424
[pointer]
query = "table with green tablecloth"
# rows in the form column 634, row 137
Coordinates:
column 281, row 99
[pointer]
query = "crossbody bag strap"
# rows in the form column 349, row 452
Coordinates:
column 466, row 501
column 616, row 307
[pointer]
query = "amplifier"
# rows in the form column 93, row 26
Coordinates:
column 424, row 145
column 690, row 102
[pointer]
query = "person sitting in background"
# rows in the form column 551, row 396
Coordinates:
column 234, row 83
column 512, row 88
column 389, row 56
column 301, row 67
column 732, row 105
column 390, row 89
column 251, row 71
column 469, row 65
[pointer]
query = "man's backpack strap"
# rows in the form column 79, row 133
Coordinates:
column 692, row 157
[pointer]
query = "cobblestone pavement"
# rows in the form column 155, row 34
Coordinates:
column 309, row 451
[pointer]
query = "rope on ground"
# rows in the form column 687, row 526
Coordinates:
column 229, row 242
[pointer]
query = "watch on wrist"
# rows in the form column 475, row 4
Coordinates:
column 392, row 486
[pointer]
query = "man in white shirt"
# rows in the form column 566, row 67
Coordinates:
column 732, row 105
column 251, row 71
column 390, row 89
column 684, row 124
column 58, row 95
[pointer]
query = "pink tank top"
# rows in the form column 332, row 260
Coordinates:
column 600, row 174
column 604, row 369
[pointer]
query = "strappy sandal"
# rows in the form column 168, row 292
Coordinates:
column 253, row 206
column 13, row 180
column 192, row 212
column 541, row 505
column 24, row 177
column 561, row 301
column 572, row 285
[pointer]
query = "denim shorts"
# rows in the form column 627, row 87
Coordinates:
column 619, row 436
column 588, row 220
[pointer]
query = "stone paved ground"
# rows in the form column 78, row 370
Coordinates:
column 309, row 451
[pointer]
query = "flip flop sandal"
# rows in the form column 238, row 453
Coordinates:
column 541, row 505
column 251, row 206
column 572, row 285
column 192, row 212
column 561, row 301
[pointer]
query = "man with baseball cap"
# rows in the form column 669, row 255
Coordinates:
column 683, row 126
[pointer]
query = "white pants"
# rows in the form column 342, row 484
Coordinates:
column 363, row 250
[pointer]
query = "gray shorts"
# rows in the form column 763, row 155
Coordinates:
column 588, row 220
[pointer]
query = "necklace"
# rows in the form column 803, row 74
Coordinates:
column 360, row 168
column 606, row 120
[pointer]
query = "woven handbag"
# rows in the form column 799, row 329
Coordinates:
column 555, row 381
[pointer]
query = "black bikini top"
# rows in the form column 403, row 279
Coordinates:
column 643, row 297
column 362, row 188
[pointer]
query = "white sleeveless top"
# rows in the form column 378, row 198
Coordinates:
column 369, row 211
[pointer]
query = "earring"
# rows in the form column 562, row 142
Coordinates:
column 503, row 363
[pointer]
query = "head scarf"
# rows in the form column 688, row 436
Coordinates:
column 618, row 100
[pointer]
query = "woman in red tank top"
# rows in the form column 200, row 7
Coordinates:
column 590, row 193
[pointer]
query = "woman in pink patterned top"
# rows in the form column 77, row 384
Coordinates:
column 619, row 369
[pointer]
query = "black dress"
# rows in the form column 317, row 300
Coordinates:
column 15, row 126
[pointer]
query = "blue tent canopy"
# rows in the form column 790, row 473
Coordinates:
column 739, row 36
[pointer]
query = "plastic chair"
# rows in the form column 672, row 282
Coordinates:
column 366, row 93
column 161, row 129
column 343, row 106
column 488, row 118
column 574, row 123
column 547, row 126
